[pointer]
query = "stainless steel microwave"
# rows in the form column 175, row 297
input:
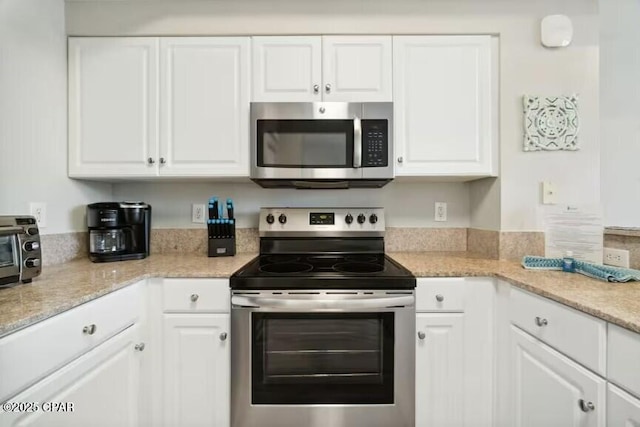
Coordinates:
column 322, row 144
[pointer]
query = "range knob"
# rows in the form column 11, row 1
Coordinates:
column 282, row 219
column 361, row 219
column 270, row 219
column 373, row 218
column 31, row 246
column 32, row 262
column 348, row 219
column 32, row 231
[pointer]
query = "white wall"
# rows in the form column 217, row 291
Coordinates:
column 510, row 203
column 620, row 111
column 33, row 117
column 406, row 204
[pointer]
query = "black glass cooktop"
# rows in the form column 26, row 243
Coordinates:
column 344, row 271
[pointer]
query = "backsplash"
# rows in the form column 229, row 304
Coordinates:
column 63, row 247
column 511, row 245
column 625, row 238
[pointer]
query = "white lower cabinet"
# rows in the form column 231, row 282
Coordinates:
column 550, row 389
column 623, row 410
column 100, row 388
column 196, row 370
column 439, row 369
column 454, row 352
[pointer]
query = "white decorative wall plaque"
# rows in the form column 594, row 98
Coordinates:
column 551, row 123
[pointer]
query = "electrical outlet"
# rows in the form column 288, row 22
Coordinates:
column 440, row 211
column 616, row 257
column 197, row 213
column 39, row 211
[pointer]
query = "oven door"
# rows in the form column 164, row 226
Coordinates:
column 306, row 141
column 323, row 358
column 10, row 254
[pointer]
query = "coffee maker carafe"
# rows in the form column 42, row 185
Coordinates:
column 118, row 231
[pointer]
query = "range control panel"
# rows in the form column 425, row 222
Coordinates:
column 322, row 222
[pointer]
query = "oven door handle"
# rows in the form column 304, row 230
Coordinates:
column 322, row 304
column 7, row 231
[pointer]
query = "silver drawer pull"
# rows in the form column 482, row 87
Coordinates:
column 421, row 335
column 439, row 298
column 139, row 347
column 541, row 321
column 90, row 329
column 223, row 336
column 586, row 406
column 194, row 297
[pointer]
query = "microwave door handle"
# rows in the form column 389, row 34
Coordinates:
column 320, row 304
column 357, row 142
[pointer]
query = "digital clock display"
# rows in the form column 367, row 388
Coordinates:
column 324, row 218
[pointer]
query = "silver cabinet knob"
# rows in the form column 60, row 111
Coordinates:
column 89, row 329
column 400, row 160
column 541, row 321
column 223, row 336
column 439, row 298
column 162, row 160
column 586, row 406
column 421, row 335
column 194, row 297
column 327, row 88
column 139, row 347
column 316, row 88
column 150, row 160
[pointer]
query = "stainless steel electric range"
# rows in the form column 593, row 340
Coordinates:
column 323, row 324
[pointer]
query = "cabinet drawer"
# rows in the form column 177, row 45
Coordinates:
column 196, row 295
column 578, row 335
column 623, row 358
column 442, row 294
column 30, row 354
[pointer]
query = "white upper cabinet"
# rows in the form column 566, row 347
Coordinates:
column 198, row 86
column 204, row 106
column 444, row 106
column 315, row 68
column 112, row 106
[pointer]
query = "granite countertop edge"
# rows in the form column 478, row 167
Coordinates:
column 49, row 295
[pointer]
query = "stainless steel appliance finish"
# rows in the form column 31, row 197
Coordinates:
column 322, row 144
column 20, row 251
column 322, row 324
column 397, row 411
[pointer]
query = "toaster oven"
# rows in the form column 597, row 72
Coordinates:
column 20, row 252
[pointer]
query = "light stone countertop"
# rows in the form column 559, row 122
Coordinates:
column 65, row 286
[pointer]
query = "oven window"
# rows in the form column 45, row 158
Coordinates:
column 7, row 251
column 305, row 143
column 322, row 358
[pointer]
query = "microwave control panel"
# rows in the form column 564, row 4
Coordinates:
column 375, row 143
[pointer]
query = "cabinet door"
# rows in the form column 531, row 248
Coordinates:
column 113, row 106
column 439, row 369
column 204, row 100
column 357, row 68
column 286, row 69
column 551, row 390
column 196, row 370
column 442, row 88
column 623, row 410
column 100, row 388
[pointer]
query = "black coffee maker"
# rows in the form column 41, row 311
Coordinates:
column 118, row 231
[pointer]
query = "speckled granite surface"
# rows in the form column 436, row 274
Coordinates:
column 67, row 285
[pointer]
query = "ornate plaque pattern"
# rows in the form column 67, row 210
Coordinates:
column 551, row 123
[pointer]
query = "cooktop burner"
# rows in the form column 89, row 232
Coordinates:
column 353, row 271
